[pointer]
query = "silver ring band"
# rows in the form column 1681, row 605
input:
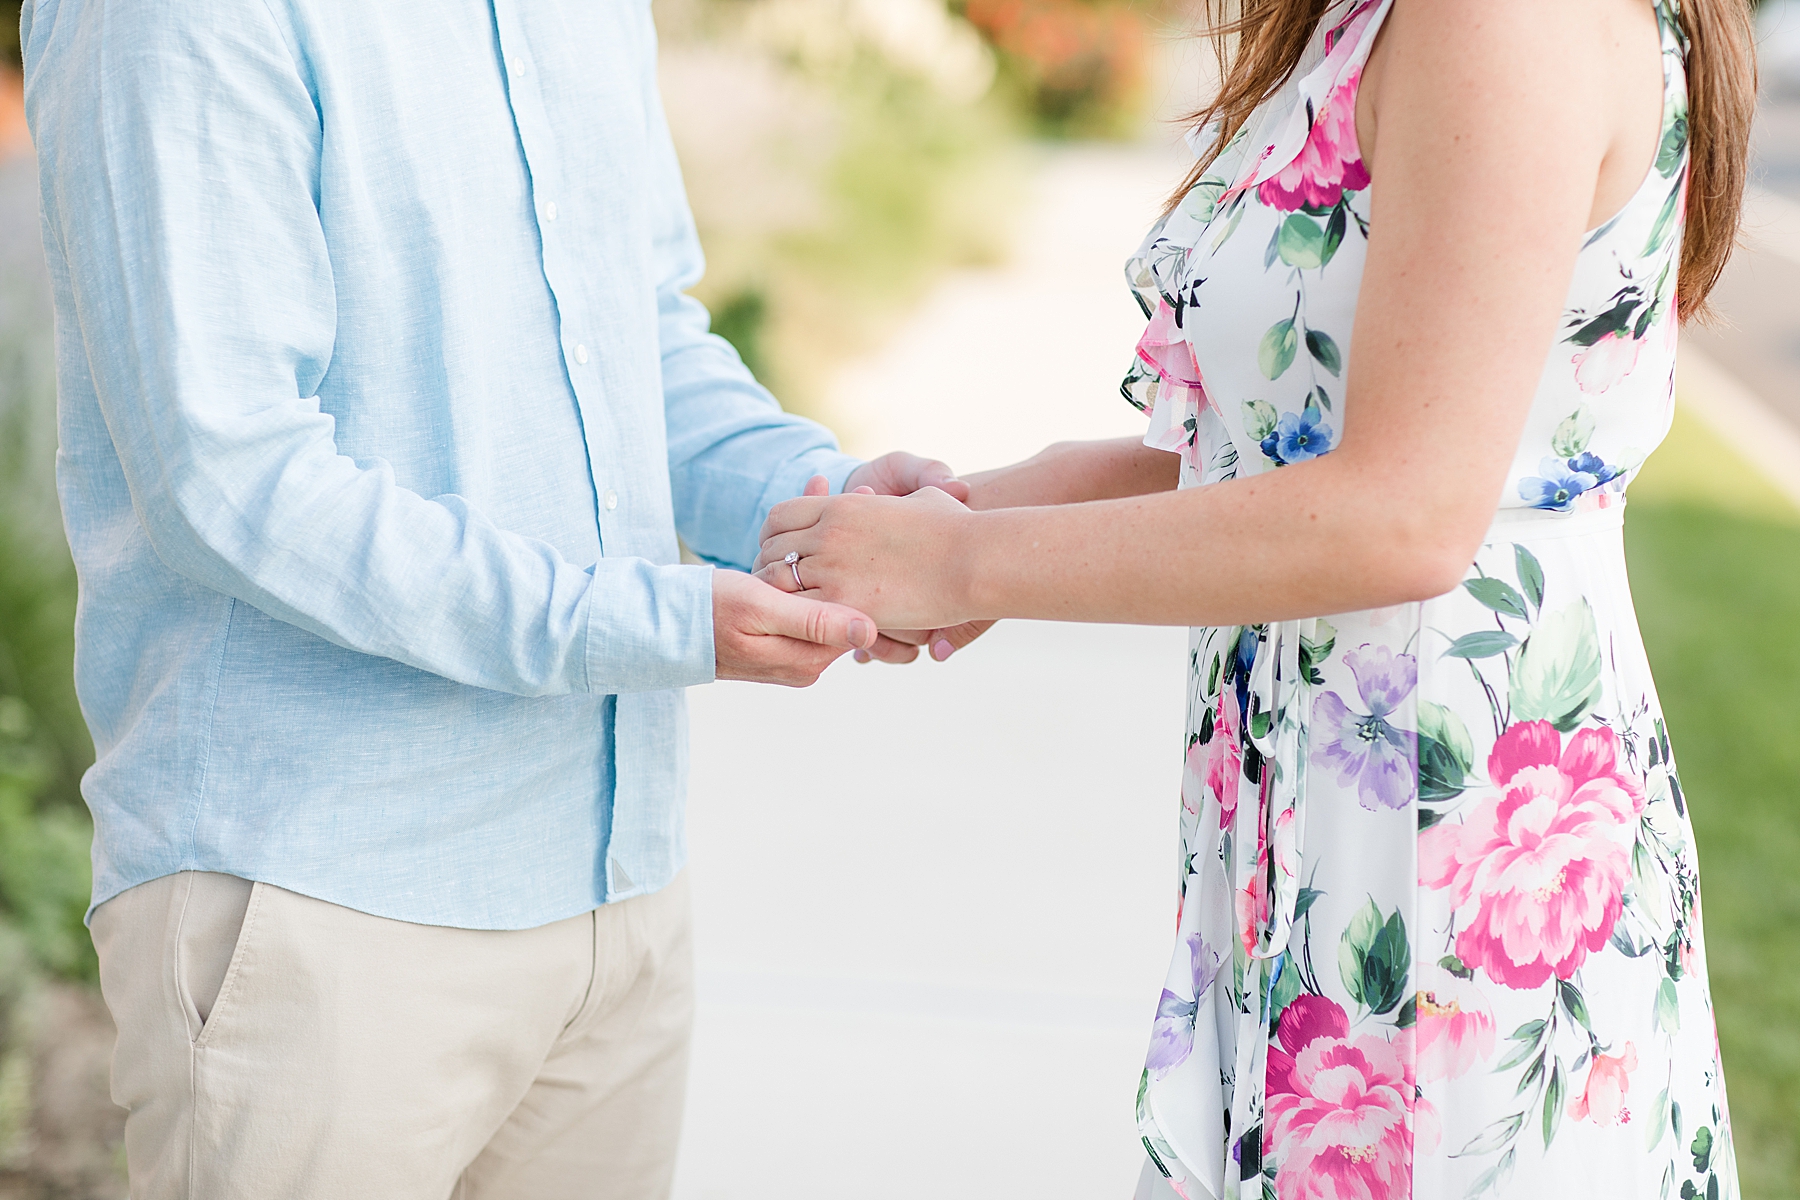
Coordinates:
column 793, row 562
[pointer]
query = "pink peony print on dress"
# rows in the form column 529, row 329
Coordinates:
column 1608, row 1084
column 1545, row 861
column 1330, row 163
column 1601, row 366
column 1455, row 1024
column 1216, row 764
column 1338, row 1107
column 1225, row 758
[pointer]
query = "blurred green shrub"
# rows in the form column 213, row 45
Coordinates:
column 839, row 156
column 9, row 31
column 44, row 746
column 1077, row 66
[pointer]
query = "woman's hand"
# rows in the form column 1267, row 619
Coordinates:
column 898, row 554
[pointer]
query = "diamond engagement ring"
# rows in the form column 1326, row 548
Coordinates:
column 793, row 562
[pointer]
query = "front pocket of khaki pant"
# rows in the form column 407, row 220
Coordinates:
column 222, row 1005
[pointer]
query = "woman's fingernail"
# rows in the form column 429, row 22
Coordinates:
column 942, row 649
column 862, row 656
column 859, row 633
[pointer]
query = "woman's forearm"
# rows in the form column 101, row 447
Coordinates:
column 1315, row 538
column 1073, row 472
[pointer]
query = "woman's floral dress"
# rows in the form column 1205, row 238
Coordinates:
column 1439, row 932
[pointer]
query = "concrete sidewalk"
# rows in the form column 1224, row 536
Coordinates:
column 935, row 902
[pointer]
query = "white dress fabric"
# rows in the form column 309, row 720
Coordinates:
column 1439, row 924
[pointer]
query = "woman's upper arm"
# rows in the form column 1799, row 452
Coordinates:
column 1488, row 157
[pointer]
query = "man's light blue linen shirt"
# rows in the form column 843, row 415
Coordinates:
column 381, row 406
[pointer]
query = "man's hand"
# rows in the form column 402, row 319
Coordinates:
column 902, row 474
column 764, row 635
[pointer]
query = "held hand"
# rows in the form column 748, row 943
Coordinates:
column 895, row 558
column 762, row 635
column 940, row 643
column 902, row 474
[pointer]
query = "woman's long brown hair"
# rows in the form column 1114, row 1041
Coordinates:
column 1259, row 43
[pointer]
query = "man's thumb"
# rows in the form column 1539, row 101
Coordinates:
column 940, row 476
column 819, row 621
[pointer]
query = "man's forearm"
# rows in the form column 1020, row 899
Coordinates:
column 1073, row 472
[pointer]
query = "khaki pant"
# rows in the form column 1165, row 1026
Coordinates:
column 277, row 1047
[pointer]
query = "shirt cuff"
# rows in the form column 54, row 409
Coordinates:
column 790, row 481
column 649, row 627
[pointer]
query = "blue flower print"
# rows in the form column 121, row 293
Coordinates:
column 1297, row 438
column 1589, row 463
column 1558, row 483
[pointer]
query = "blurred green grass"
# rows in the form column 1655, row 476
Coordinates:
column 1715, row 571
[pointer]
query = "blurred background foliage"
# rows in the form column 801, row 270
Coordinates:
column 841, row 154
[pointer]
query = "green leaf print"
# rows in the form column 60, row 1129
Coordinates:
column 1444, row 726
column 1668, row 1008
column 1531, row 574
column 1388, row 967
column 1572, row 436
column 1498, row 1175
column 1375, row 959
column 1493, row 1137
column 1231, row 224
column 1321, row 347
column 1553, row 1104
column 1301, row 242
column 1203, row 200
column 1498, row 595
column 1315, row 650
column 1446, row 753
column 1658, row 1124
column 1287, row 986
column 1557, row 675
column 1665, row 221
column 1259, row 419
column 1702, row 1148
column 1573, row 1003
column 1485, row 644
column 1276, row 353
column 1304, row 900
column 1335, row 228
column 1674, row 141
column 1353, row 947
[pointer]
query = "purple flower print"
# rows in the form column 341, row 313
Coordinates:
column 1365, row 747
column 1172, row 1036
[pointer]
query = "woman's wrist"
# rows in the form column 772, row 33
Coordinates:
column 1074, row 472
column 968, row 560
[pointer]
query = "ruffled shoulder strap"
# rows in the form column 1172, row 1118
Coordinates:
column 1346, row 48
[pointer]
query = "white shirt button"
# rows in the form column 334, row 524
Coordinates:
column 550, row 211
column 612, row 500
column 518, row 66
column 581, row 354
